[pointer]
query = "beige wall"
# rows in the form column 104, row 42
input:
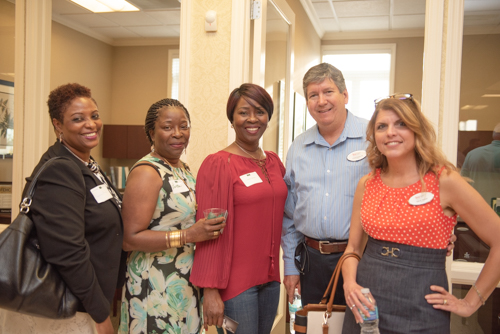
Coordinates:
column 7, row 20
column 139, row 78
column 76, row 57
column 481, row 75
column 409, row 61
column 208, row 80
column 307, row 45
column 125, row 81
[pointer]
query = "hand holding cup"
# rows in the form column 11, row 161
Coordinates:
column 208, row 228
column 215, row 213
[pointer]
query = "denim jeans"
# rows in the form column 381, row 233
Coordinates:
column 254, row 309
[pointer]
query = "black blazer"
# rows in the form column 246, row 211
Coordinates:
column 81, row 237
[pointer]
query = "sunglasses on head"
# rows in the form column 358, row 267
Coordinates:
column 395, row 96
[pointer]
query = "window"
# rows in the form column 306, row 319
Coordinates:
column 368, row 72
column 173, row 69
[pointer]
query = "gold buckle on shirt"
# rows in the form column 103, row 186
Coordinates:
column 392, row 251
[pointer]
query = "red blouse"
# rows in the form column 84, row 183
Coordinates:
column 386, row 214
column 247, row 253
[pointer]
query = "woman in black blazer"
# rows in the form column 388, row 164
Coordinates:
column 76, row 211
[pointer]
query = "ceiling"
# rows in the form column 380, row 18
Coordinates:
column 351, row 18
column 159, row 20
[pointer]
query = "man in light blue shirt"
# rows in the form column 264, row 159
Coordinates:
column 323, row 168
column 482, row 165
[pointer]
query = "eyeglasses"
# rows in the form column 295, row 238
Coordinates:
column 395, row 96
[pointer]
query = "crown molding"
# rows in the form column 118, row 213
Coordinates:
column 468, row 30
column 145, row 41
column 375, row 34
column 311, row 13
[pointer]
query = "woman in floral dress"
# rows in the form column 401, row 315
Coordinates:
column 159, row 208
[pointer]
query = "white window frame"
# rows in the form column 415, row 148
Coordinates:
column 172, row 54
column 365, row 49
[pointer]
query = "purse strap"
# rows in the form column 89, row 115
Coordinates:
column 332, row 285
column 25, row 204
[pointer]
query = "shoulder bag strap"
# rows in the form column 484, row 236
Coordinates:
column 332, row 286
column 25, row 204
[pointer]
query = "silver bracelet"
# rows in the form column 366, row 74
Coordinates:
column 479, row 294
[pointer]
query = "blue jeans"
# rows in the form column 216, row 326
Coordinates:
column 254, row 309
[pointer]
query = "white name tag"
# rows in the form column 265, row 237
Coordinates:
column 421, row 198
column 250, row 179
column 356, row 155
column 101, row 193
column 178, row 186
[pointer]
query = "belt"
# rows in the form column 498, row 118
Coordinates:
column 326, row 247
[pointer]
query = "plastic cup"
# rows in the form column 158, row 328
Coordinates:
column 215, row 213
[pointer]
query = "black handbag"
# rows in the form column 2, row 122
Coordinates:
column 28, row 284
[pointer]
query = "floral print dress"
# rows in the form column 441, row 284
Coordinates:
column 157, row 296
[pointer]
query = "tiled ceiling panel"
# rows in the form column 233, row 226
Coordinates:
column 362, row 8
column 363, row 23
column 408, row 21
column 161, row 18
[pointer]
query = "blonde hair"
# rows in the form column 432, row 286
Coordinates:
column 428, row 156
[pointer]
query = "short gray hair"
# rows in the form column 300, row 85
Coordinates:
column 319, row 73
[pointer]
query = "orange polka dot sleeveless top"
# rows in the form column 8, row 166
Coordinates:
column 386, row 214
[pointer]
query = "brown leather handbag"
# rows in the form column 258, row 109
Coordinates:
column 324, row 317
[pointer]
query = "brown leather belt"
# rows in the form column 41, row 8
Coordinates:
column 326, row 247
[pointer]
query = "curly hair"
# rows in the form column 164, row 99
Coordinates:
column 153, row 113
column 428, row 156
column 61, row 97
column 249, row 91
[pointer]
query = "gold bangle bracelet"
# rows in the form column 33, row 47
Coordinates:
column 183, row 237
column 173, row 242
column 479, row 294
column 176, row 239
column 167, row 239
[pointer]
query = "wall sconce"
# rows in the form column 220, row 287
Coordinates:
column 211, row 21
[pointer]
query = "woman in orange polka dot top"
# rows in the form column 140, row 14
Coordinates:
column 404, row 213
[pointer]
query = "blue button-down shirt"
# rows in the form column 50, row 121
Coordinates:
column 321, row 184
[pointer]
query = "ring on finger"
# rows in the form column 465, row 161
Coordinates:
column 352, row 306
column 216, row 233
column 445, row 302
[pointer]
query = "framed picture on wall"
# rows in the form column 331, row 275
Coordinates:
column 6, row 119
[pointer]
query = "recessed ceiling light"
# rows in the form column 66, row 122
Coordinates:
column 106, row 6
column 467, row 107
column 481, row 106
column 491, row 95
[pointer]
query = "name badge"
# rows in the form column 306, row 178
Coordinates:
column 178, row 186
column 250, row 179
column 101, row 193
column 421, row 198
column 356, row 155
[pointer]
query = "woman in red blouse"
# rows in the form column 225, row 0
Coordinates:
column 239, row 272
column 404, row 212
